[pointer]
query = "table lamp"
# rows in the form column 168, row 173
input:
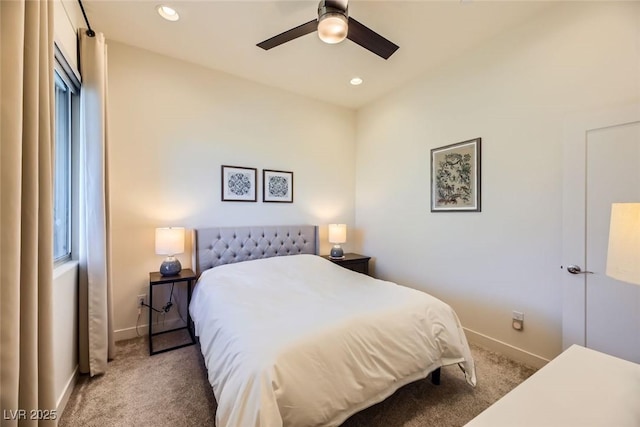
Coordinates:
column 337, row 235
column 623, row 255
column 170, row 241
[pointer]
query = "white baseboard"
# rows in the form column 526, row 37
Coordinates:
column 142, row 330
column 66, row 393
column 128, row 333
column 514, row 353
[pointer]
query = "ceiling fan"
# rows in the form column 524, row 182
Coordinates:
column 334, row 25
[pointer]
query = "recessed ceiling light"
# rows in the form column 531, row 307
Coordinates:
column 168, row 13
column 356, row 81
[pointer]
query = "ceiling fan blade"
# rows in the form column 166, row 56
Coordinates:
column 369, row 39
column 293, row 33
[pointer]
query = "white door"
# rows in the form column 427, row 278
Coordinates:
column 602, row 166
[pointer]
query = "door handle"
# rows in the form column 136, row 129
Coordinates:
column 575, row 269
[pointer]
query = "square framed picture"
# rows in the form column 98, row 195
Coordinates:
column 277, row 186
column 239, row 184
column 455, row 177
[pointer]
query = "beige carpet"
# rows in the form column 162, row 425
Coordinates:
column 171, row 389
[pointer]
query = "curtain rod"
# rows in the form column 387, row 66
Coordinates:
column 90, row 32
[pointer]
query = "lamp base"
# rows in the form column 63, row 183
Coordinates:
column 170, row 266
column 336, row 252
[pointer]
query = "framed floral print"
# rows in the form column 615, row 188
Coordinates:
column 239, row 184
column 277, row 186
column 455, row 177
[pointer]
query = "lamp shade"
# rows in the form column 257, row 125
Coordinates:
column 337, row 233
column 169, row 240
column 623, row 256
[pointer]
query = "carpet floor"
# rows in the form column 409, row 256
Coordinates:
column 171, row 389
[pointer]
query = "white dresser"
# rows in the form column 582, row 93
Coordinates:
column 581, row 387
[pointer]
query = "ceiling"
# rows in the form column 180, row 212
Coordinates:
column 222, row 35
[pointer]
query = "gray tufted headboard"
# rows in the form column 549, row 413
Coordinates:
column 224, row 245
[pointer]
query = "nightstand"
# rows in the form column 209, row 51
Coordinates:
column 186, row 276
column 351, row 261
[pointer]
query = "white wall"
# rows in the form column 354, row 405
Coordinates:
column 173, row 124
column 65, row 329
column 67, row 19
column 513, row 93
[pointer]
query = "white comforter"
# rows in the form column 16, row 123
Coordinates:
column 299, row 341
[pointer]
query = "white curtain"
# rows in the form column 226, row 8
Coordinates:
column 26, row 211
column 95, row 309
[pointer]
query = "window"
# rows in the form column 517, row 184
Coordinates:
column 66, row 126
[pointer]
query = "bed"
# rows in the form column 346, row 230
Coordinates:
column 292, row 339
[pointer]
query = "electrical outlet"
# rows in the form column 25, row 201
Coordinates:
column 517, row 321
column 141, row 300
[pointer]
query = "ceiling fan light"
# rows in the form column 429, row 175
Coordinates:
column 332, row 27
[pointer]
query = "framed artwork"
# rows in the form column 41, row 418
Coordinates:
column 455, row 177
column 239, row 184
column 277, row 186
